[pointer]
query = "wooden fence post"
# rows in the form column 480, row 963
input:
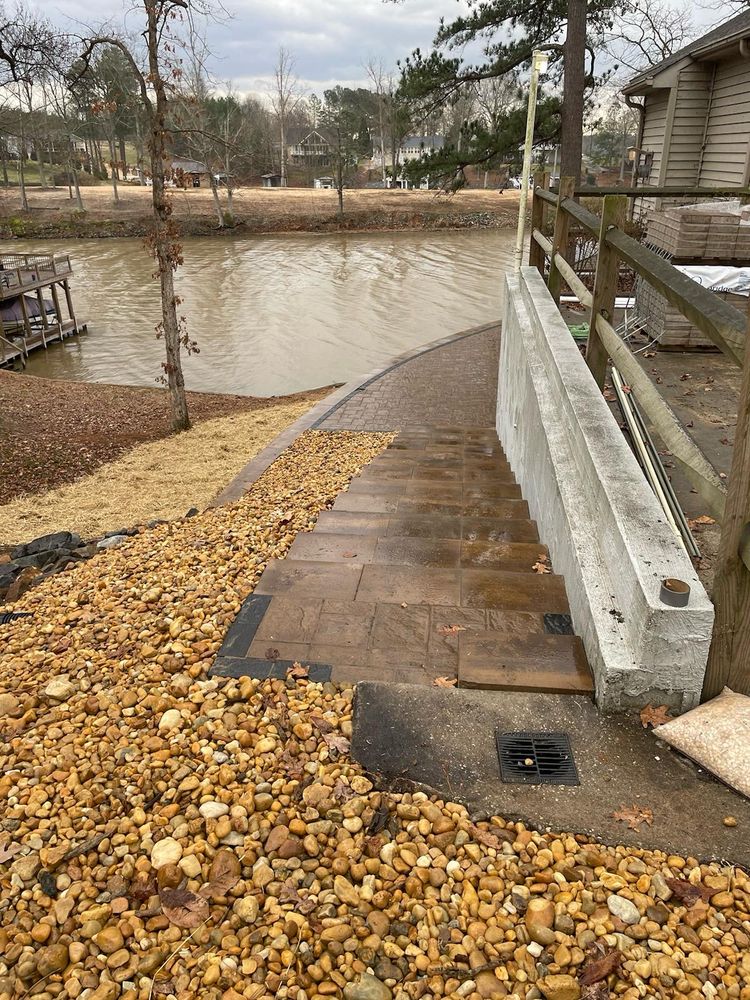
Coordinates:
column 729, row 659
column 605, row 285
column 536, row 254
column 560, row 239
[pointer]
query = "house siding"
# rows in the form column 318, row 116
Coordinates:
column 653, row 132
column 691, row 107
column 726, row 149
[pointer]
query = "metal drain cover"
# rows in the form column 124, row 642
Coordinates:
column 535, row 758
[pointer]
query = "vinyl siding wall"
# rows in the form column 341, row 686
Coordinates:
column 653, row 132
column 725, row 154
column 691, row 107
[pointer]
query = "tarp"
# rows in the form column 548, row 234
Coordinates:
column 719, row 278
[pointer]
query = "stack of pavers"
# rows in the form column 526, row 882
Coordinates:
column 707, row 234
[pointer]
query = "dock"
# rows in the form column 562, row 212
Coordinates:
column 29, row 319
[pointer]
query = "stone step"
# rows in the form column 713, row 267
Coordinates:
column 410, row 551
column 427, row 526
column 534, row 662
column 348, row 580
column 512, row 509
column 431, row 490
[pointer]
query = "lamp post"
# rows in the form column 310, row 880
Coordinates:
column 539, row 60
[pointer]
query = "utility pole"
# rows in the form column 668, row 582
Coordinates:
column 539, row 60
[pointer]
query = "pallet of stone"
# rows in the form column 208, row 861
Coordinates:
column 665, row 324
column 696, row 233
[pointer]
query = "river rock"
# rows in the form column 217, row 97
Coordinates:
column 212, row 810
column 624, row 909
column 171, row 719
column 166, row 852
column 367, row 987
column 559, row 988
column 60, row 689
column 246, row 909
column 109, row 940
column 345, row 891
column 10, row 706
column 51, row 959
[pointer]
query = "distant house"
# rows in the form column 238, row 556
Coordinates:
column 307, row 147
column 411, row 147
column 695, row 129
column 270, row 180
column 188, row 173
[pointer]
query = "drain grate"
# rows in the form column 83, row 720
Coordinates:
column 536, row 758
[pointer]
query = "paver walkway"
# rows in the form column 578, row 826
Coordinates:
column 428, row 567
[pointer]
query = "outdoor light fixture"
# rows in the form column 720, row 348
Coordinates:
column 539, row 62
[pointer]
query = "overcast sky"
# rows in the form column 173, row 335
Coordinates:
column 331, row 40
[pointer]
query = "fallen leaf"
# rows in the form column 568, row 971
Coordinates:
column 699, row 522
column 272, row 654
column 542, row 566
column 599, row 991
column 340, row 743
column 599, row 968
column 342, row 792
column 219, row 886
column 289, row 894
column 348, row 555
column 487, row 838
column 404, row 604
column 654, row 716
column 183, row 908
column 297, row 670
column 445, row 682
column 450, row 629
column 379, row 820
column 626, row 389
column 8, row 851
column 321, row 724
column 634, row 816
column 689, row 892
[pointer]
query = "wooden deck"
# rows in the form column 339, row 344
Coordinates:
column 39, row 322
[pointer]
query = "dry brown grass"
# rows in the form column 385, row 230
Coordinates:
column 159, row 479
column 277, row 203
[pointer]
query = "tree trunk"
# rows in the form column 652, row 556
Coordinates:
column 113, row 168
column 282, row 170
column 21, row 175
column 76, row 186
column 165, row 246
column 40, row 164
column 121, row 143
column 4, row 158
column 215, row 194
column 574, row 82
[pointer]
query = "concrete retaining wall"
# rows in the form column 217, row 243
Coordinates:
column 602, row 523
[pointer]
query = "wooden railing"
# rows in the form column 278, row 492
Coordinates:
column 20, row 270
column 725, row 326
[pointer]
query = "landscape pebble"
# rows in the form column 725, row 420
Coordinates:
column 215, row 856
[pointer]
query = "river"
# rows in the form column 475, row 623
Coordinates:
column 276, row 314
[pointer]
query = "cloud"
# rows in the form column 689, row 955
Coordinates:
column 331, row 40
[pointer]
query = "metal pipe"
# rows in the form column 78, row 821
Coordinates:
column 539, row 61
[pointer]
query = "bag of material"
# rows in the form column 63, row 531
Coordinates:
column 716, row 736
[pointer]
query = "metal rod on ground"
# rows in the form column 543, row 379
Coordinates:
column 641, row 450
column 539, row 62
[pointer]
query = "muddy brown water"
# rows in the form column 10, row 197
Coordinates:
column 276, row 314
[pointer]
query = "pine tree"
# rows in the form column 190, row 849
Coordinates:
column 508, row 33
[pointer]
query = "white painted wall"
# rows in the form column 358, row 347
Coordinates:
column 602, row 523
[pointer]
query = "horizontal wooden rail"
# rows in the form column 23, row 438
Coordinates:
column 694, row 464
column 663, row 192
column 724, row 325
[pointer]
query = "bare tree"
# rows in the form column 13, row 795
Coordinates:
column 156, row 77
column 381, row 85
column 646, row 33
column 285, row 97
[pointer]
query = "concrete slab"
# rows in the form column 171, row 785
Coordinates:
column 444, row 739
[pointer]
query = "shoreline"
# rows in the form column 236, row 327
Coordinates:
column 26, row 227
column 256, row 211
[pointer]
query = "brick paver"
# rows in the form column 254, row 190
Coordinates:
column 454, row 384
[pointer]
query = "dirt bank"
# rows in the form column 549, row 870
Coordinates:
column 53, row 432
column 256, row 210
